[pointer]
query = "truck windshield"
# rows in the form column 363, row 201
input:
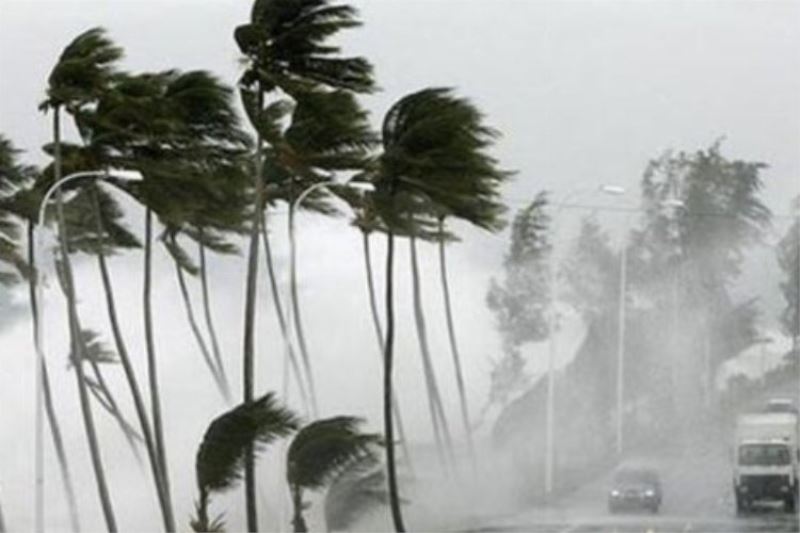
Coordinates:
column 764, row 455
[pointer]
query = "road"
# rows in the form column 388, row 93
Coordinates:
column 697, row 498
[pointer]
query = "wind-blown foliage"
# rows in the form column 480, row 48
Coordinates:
column 789, row 260
column 83, row 71
column 287, row 47
column 221, row 456
column 431, row 140
column 81, row 75
column 320, row 452
column 520, row 300
column 355, row 492
column 13, row 177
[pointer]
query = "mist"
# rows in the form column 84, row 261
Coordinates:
column 584, row 95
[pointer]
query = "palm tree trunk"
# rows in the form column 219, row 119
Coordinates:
column 301, row 338
column 276, row 299
column 453, row 344
column 212, row 331
column 2, row 521
column 55, row 427
column 202, row 512
column 376, row 322
column 77, row 342
column 101, row 391
column 249, row 327
column 133, row 384
column 298, row 522
column 440, row 427
column 388, row 395
column 152, row 368
column 198, row 336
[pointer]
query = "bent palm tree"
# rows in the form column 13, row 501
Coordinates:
column 441, row 428
column 367, row 222
column 431, row 140
column 319, row 452
column 286, row 45
column 177, row 129
column 79, row 77
column 229, row 438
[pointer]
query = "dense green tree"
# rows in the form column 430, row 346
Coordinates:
column 591, row 272
column 701, row 213
column 520, row 302
column 789, row 260
column 319, row 452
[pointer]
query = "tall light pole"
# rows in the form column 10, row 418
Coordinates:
column 291, row 309
column 623, row 283
column 553, row 326
column 124, row 175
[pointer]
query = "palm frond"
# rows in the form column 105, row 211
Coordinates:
column 353, row 493
column 94, row 349
column 287, row 42
column 220, row 458
column 323, row 448
column 83, row 69
column 435, row 148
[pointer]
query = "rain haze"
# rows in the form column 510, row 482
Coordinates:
column 640, row 224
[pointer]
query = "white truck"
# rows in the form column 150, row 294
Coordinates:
column 766, row 460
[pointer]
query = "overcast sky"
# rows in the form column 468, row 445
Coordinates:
column 583, row 92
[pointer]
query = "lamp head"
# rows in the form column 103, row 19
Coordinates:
column 614, row 190
column 126, row 175
column 361, row 186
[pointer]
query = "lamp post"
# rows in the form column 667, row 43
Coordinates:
column 291, row 309
column 552, row 326
column 124, row 175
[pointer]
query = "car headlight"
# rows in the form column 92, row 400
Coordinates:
column 614, row 493
column 650, row 493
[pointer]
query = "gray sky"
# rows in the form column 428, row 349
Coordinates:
column 583, row 92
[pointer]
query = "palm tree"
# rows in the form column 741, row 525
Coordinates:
column 18, row 204
column 251, row 426
column 319, row 453
column 431, row 141
column 441, row 428
column 279, row 314
column 106, row 234
column 285, row 44
column 177, row 129
column 218, row 207
column 184, row 263
column 79, row 77
column 357, row 490
column 483, row 208
column 367, row 221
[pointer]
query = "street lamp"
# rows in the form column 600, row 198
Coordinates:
column 123, row 175
column 552, row 325
column 291, row 309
